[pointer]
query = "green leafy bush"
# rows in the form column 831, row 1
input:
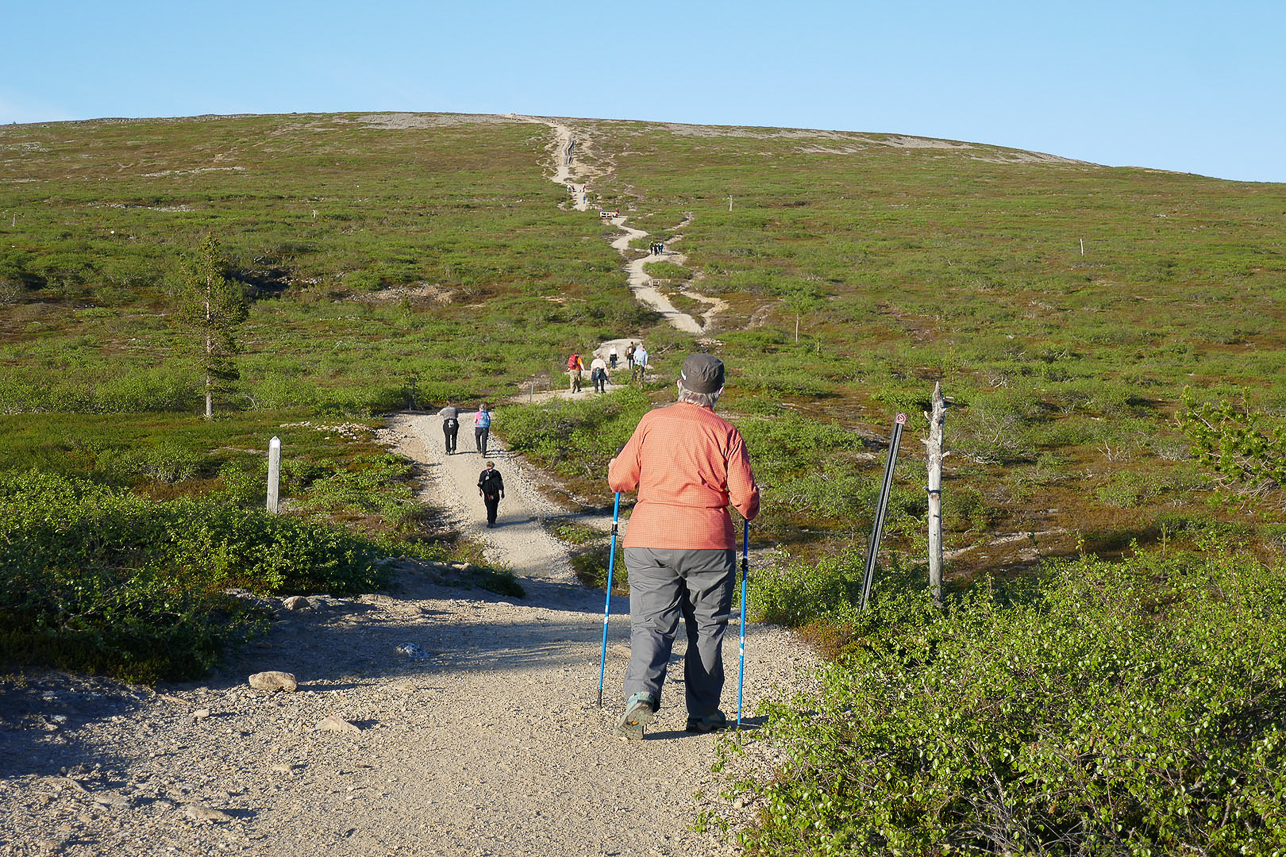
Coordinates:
column 1245, row 448
column 576, row 438
column 1131, row 708
column 102, row 579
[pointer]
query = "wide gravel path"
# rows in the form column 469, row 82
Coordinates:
column 487, row 740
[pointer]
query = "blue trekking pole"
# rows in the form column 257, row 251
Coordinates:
column 607, row 609
column 745, row 576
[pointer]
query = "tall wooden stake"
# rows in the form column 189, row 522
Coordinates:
column 274, row 473
column 934, row 444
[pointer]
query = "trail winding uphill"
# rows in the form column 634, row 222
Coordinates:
column 430, row 719
column 570, row 171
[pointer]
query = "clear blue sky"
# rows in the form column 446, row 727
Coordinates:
column 1195, row 87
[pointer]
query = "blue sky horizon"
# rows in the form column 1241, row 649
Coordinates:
column 1177, row 86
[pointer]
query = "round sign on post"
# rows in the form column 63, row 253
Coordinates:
column 900, row 419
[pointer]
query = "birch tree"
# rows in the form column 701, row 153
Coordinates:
column 212, row 307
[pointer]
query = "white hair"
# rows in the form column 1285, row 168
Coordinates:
column 705, row 400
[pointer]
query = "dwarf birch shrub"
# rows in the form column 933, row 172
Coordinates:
column 1116, row 708
column 100, row 579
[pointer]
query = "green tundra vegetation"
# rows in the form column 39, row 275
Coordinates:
column 1104, row 674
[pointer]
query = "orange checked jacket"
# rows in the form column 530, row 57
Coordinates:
column 687, row 464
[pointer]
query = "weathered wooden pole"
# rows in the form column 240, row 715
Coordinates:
column 274, row 473
column 934, row 444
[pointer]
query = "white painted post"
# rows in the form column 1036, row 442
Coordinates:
column 1082, row 246
column 935, row 453
column 274, row 473
column 730, row 202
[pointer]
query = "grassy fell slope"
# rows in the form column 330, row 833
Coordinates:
column 405, row 258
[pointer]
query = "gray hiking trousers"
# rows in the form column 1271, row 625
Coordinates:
column 664, row 585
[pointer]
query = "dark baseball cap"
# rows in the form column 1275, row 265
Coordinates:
column 702, row 373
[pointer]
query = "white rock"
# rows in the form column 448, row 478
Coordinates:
column 296, row 602
column 274, row 680
column 201, row 714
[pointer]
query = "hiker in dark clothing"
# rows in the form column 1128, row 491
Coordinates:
column 450, row 425
column 491, row 487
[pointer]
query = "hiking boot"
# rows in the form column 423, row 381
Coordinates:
column 638, row 713
column 715, row 722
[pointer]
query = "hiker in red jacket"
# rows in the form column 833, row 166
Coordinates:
column 574, row 368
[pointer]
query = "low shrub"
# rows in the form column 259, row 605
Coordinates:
column 1110, row 708
column 101, row 579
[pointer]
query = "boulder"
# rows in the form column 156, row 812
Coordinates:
column 274, row 680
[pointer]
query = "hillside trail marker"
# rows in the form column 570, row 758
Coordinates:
column 274, row 473
column 881, row 509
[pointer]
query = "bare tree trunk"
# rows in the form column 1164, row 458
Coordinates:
column 934, row 444
column 209, row 349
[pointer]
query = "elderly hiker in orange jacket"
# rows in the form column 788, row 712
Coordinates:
column 687, row 465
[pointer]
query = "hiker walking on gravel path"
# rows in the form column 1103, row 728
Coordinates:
column 640, row 363
column 687, row 464
column 491, row 487
column 613, row 356
column 598, row 374
column 450, row 425
column 574, row 368
column 482, row 428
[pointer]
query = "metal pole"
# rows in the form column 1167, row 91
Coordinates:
column 607, row 608
column 881, row 509
column 745, row 576
column 274, row 473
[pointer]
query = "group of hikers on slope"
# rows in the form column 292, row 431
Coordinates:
column 636, row 358
column 491, row 487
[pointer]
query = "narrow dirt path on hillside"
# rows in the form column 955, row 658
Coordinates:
column 485, row 740
column 571, row 172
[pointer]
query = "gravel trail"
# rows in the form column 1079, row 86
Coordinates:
column 486, row 740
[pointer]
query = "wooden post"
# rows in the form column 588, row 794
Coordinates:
column 274, row 473
column 1082, row 246
column 934, row 444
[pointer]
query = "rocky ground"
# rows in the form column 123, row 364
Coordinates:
column 429, row 719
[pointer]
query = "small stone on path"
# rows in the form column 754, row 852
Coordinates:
column 274, row 680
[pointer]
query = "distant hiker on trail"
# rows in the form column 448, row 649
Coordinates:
column 491, row 487
column 629, row 359
column 450, row 424
column 598, row 374
column 613, row 356
column 482, row 428
column 687, row 464
column 574, row 368
column 640, row 363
